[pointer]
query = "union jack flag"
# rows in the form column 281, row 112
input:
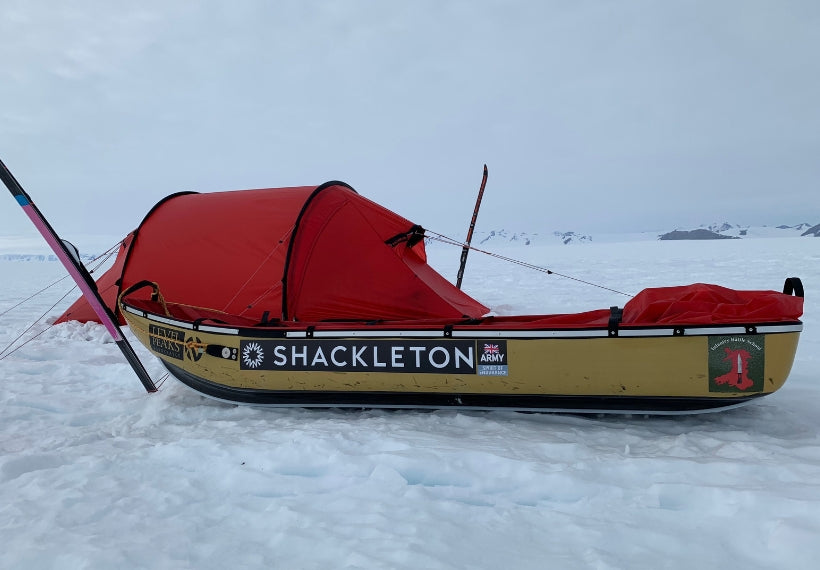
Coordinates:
column 491, row 349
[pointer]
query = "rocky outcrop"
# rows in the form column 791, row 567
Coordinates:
column 812, row 231
column 698, row 234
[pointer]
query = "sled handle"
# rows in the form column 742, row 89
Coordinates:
column 156, row 296
column 793, row 286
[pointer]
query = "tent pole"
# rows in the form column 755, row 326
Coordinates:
column 78, row 272
column 466, row 249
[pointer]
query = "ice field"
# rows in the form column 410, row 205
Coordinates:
column 95, row 473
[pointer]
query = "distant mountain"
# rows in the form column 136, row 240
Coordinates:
column 812, row 231
column 505, row 237
column 727, row 229
column 712, row 231
column 723, row 230
column 798, row 227
column 572, row 237
column 497, row 237
column 694, row 234
column 721, row 227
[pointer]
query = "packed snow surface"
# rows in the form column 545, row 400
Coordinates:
column 94, row 473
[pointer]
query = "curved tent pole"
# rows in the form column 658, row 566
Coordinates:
column 286, row 269
column 69, row 257
column 466, row 249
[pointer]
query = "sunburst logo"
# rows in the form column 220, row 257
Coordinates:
column 252, row 355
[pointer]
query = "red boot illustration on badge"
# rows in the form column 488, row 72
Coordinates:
column 738, row 376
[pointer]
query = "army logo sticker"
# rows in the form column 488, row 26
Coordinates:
column 492, row 358
column 736, row 363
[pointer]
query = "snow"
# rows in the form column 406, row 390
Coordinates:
column 94, row 473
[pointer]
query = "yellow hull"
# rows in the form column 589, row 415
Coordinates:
column 660, row 370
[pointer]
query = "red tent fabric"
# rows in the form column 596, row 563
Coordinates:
column 341, row 267
column 304, row 253
column 708, row 304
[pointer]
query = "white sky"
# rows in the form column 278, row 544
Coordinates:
column 590, row 115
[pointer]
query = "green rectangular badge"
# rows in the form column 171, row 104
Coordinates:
column 736, row 363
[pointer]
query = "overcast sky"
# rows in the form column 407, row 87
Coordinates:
column 591, row 116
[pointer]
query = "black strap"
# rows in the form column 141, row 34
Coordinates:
column 412, row 236
column 201, row 320
column 615, row 316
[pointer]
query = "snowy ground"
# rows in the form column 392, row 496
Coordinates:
column 94, row 473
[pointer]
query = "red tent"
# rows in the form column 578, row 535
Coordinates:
column 306, row 253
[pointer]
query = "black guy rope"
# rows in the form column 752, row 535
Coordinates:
column 98, row 261
column 4, row 354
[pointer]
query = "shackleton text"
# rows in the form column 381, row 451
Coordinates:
column 437, row 357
